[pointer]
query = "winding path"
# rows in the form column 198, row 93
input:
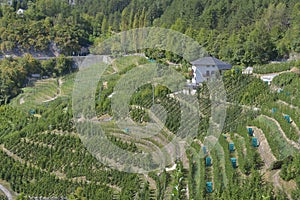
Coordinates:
column 6, row 192
column 287, row 104
column 268, row 158
column 291, row 142
column 264, row 148
column 60, row 82
column 151, row 181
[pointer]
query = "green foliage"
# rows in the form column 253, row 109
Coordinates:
column 258, row 46
column 15, row 73
column 254, row 33
column 273, row 67
column 244, row 190
column 279, row 146
column 49, row 145
column 284, row 79
column 35, row 182
column 139, row 115
column 129, row 146
column 289, row 169
column 2, row 196
column 291, row 93
column 144, row 98
column 246, row 90
column 77, row 195
column 112, row 74
column 12, row 120
column 51, row 150
column 42, row 24
column 196, row 172
column 288, row 129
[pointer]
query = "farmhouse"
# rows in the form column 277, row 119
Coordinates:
column 206, row 68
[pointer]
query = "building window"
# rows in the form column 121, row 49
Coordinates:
column 207, row 73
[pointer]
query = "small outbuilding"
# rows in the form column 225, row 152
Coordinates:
column 20, row 11
column 248, row 70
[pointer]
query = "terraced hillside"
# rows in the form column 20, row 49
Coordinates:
column 43, row 148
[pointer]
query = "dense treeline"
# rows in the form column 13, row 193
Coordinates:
column 43, row 23
column 252, row 32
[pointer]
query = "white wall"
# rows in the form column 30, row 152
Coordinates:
column 205, row 71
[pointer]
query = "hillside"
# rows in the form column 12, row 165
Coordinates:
column 43, row 148
column 130, row 125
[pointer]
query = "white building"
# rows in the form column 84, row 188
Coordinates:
column 207, row 67
column 268, row 78
column 248, row 70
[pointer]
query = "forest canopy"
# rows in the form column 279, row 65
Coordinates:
column 240, row 32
